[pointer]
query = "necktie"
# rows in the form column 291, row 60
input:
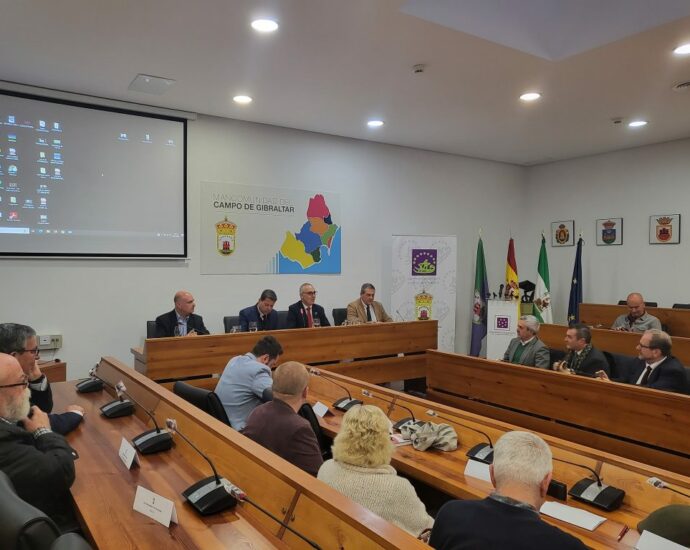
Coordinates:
column 310, row 319
column 368, row 313
column 645, row 376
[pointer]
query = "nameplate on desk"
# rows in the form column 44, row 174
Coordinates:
column 155, row 506
column 650, row 541
column 477, row 469
column 574, row 516
column 320, row 409
column 128, row 454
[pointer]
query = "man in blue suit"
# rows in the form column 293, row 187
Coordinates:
column 262, row 313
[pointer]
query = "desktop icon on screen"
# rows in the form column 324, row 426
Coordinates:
column 123, row 136
column 13, row 216
column 12, row 170
column 12, row 138
column 56, row 127
column 41, row 124
column 10, row 119
column 13, row 200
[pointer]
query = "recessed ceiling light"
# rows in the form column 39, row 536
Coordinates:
column 242, row 99
column 683, row 49
column 637, row 123
column 375, row 123
column 530, row 96
column 264, row 25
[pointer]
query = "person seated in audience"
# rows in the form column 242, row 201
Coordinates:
column 246, row 381
column 582, row 357
column 276, row 424
column 671, row 522
column 637, row 320
column 20, row 342
column 181, row 321
column 366, row 309
column 655, row 368
column 527, row 349
column 38, row 461
column 302, row 314
column 360, row 469
column 261, row 314
column 509, row 517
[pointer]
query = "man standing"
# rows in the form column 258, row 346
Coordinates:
column 527, row 349
column 39, row 463
column 246, row 381
column 637, row 320
column 582, row 357
column 262, row 313
column 509, row 517
column 181, row 321
column 20, row 342
column 366, row 309
column 277, row 426
column 302, row 314
column 655, row 368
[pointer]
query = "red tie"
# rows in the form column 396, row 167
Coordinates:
column 310, row 319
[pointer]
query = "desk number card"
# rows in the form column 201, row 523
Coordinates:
column 128, row 454
column 320, row 409
column 155, row 506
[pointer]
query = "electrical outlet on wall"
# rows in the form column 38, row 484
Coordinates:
column 50, row 341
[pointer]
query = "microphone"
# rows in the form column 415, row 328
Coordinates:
column 114, row 409
column 659, row 484
column 400, row 423
column 500, row 291
column 594, row 492
column 210, row 495
column 480, row 452
column 91, row 384
column 399, row 315
column 344, row 404
column 151, row 441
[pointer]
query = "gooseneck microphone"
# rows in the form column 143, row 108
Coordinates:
column 399, row 315
column 114, row 409
column 594, row 491
column 210, row 495
column 659, row 484
column 400, row 423
column 344, row 404
column 151, row 441
column 482, row 452
column 91, row 384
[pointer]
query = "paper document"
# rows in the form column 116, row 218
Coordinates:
column 478, row 469
column 650, row 541
column 575, row 516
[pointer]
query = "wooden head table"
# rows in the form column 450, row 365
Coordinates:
column 677, row 321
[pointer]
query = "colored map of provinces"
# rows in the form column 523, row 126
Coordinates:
column 314, row 239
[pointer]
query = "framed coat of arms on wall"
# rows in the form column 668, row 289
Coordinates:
column 609, row 231
column 664, row 229
column 563, row 233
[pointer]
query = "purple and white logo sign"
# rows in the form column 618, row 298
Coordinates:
column 424, row 262
column 501, row 322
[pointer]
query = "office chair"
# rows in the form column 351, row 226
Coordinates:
column 150, row 329
column 282, row 319
column 306, row 411
column 203, row 399
column 231, row 321
column 681, row 306
column 339, row 315
column 648, row 304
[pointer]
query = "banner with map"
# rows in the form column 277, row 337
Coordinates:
column 424, row 282
column 250, row 229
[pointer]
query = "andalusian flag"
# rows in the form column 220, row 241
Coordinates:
column 512, row 288
column 542, row 294
column 481, row 290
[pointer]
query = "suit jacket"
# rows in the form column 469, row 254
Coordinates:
column 251, row 314
column 668, row 375
column 593, row 362
column 277, row 427
column 166, row 323
column 357, row 312
column 297, row 317
column 536, row 354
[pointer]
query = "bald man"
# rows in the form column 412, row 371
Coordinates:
column 38, row 461
column 277, row 426
column 637, row 319
column 181, row 321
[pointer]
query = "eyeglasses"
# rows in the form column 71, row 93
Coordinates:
column 646, row 347
column 24, row 383
column 312, row 293
column 34, row 351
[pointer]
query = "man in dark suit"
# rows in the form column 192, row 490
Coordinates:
column 277, row 426
column 582, row 357
column 527, row 349
column 366, row 309
column 302, row 314
column 656, row 368
column 262, row 313
column 181, row 321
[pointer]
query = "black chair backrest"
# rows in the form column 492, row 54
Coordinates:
column 70, row 541
column 231, row 321
column 687, row 381
column 556, row 355
column 339, row 315
column 648, row 304
column 205, row 400
column 150, row 329
column 282, row 319
column 305, row 411
column 681, row 306
column 23, row 526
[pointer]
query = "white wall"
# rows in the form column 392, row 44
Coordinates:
column 632, row 184
column 101, row 307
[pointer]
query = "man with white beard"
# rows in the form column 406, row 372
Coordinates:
column 39, row 463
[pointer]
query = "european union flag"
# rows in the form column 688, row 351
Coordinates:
column 576, row 287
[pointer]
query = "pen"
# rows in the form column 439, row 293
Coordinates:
column 622, row 533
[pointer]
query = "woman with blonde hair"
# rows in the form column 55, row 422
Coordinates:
column 361, row 470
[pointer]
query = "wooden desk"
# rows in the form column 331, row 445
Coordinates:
column 444, row 471
column 631, row 421
column 104, row 489
column 55, row 370
column 677, row 321
column 376, row 346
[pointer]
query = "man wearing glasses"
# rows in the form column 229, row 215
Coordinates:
column 306, row 313
column 20, row 342
column 38, row 461
column 655, row 368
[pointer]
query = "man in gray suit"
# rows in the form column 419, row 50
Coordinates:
column 527, row 349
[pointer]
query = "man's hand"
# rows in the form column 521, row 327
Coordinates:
column 192, row 332
column 34, row 373
column 622, row 329
column 602, row 375
column 76, row 408
column 38, row 419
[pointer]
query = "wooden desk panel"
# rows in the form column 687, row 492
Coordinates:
column 677, row 321
column 636, row 422
column 55, row 370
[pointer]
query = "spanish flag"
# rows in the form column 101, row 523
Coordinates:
column 512, row 288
